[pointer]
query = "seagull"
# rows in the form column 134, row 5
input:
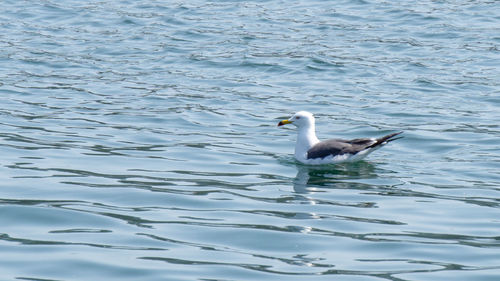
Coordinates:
column 310, row 150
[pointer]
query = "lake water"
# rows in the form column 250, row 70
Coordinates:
column 138, row 140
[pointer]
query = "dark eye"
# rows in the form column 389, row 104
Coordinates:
column 298, row 117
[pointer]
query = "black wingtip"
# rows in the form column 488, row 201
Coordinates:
column 391, row 137
column 386, row 139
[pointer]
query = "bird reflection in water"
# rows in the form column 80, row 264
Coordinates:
column 317, row 179
column 310, row 179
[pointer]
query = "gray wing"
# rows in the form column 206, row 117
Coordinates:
column 338, row 147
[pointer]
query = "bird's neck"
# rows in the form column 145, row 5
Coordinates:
column 306, row 138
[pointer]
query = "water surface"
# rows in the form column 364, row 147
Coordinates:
column 139, row 140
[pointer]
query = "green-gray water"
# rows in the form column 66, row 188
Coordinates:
column 138, row 140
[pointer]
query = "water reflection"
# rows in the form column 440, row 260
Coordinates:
column 320, row 179
column 310, row 178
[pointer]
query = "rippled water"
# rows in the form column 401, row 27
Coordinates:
column 139, row 140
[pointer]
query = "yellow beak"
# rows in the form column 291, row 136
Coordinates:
column 284, row 122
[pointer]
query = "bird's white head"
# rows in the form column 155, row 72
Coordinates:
column 300, row 119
